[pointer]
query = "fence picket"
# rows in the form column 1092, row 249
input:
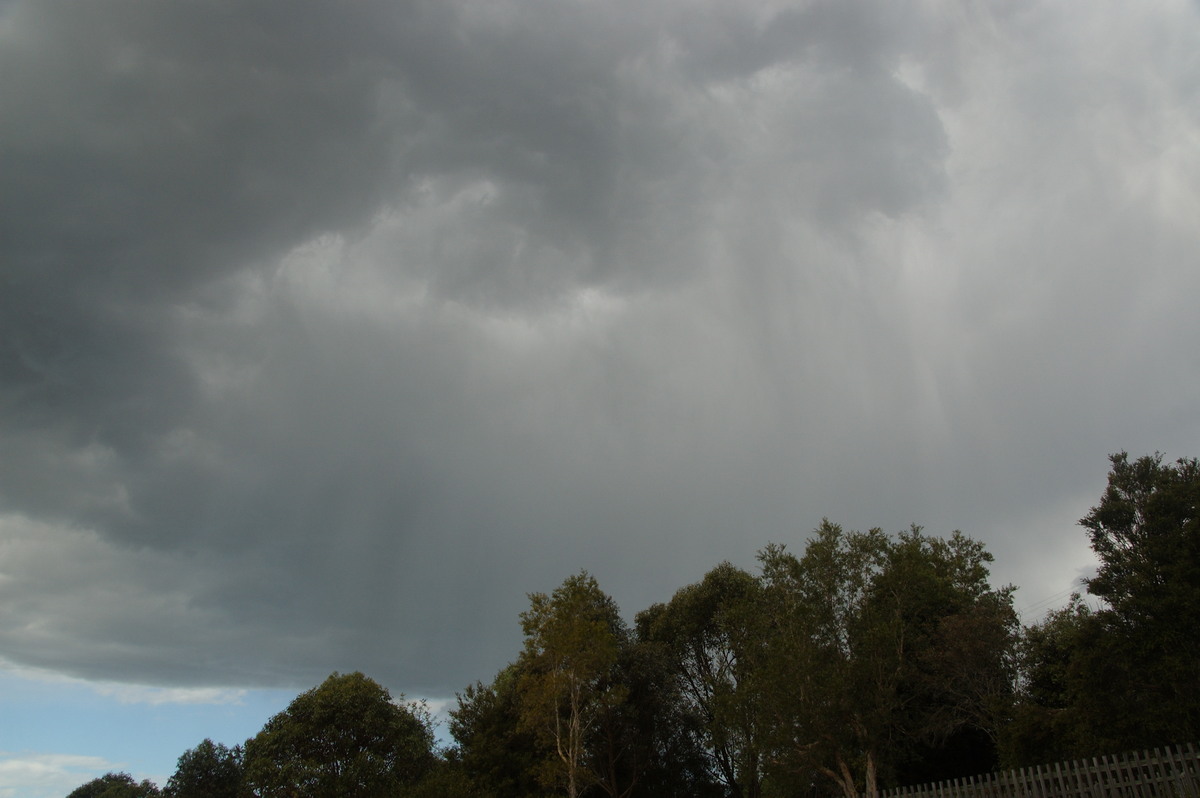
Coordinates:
column 1125, row 776
column 1100, row 778
column 1112, row 780
column 1189, row 774
column 1139, row 775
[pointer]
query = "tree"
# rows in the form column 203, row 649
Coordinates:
column 498, row 753
column 448, row 779
column 958, row 655
column 707, row 632
column 878, row 654
column 1126, row 675
column 1054, row 678
column 210, row 770
column 346, row 737
column 818, row 671
column 641, row 745
column 572, row 642
column 116, row 785
column 1146, row 533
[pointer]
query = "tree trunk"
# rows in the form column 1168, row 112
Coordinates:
column 872, row 781
column 843, row 778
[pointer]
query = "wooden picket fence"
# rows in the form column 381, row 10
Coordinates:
column 1160, row 773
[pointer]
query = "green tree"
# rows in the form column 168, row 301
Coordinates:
column 497, row 752
column 448, row 779
column 1129, row 672
column 1126, row 675
column 573, row 639
column 344, row 738
column 638, row 747
column 708, row 633
column 957, row 656
column 210, row 770
column 1047, row 724
column 116, row 785
column 1146, row 533
column 818, row 672
column 879, row 653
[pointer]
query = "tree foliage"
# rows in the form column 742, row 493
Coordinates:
column 708, row 632
column 116, row 785
column 1128, row 674
column 1146, row 533
column 498, row 752
column 210, row 770
column 573, row 639
column 641, row 746
column 879, row 651
column 1046, row 724
column 346, row 737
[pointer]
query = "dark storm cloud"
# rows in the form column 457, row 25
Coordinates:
column 149, row 150
column 328, row 331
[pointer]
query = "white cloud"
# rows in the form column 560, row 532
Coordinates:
column 144, row 694
column 34, row 775
column 131, row 693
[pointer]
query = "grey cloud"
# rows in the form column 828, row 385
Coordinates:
column 327, row 332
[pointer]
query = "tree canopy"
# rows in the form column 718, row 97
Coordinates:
column 115, row 785
column 573, row 639
column 880, row 651
column 497, row 751
column 1146, row 533
column 708, row 631
column 346, row 737
column 210, row 770
column 1126, row 674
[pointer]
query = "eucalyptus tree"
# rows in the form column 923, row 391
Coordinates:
column 573, row 641
column 345, row 738
column 210, row 770
column 116, row 785
column 499, row 753
column 710, row 634
column 1146, row 533
column 878, row 650
column 1126, row 674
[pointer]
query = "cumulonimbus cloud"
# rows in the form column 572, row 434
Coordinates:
column 326, row 337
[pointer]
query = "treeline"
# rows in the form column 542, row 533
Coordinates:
column 864, row 662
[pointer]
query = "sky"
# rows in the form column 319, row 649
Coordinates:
column 329, row 330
